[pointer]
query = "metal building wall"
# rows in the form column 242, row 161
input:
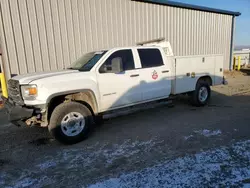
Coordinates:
column 42, row 35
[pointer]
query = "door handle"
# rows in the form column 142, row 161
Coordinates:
column 165, row 71
column 134, row 75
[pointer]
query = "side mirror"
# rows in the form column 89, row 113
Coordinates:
column 116, row 64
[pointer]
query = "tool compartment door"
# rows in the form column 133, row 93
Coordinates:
column 189, row 69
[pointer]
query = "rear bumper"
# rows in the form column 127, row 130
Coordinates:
column 17, row 114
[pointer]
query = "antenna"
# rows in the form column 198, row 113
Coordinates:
column 150, row 41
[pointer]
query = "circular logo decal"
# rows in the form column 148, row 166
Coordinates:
column 154, row 75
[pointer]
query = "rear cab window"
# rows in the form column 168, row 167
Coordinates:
column 150, row 57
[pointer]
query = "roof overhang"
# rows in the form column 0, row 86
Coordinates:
column 189, row 6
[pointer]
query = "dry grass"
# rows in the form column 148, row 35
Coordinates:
column 232, row 74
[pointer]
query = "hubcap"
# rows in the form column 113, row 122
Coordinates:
column 72, row 124
column 203, row 94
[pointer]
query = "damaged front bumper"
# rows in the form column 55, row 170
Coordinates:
column 21, row 115
column 17, row 114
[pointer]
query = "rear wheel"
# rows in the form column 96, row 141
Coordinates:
column 201, row 95
column 70, row 122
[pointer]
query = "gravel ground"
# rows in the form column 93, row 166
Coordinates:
column 179, row 146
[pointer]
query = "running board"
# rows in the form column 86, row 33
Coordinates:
column 137, row 108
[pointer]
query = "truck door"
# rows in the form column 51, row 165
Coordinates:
column 119, row 88
column 154, row 74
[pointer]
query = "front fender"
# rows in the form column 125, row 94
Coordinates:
column 83, row 95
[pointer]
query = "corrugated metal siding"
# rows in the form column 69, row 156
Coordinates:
column 41, row 35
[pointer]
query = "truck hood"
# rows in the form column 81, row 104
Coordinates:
column 27, row 78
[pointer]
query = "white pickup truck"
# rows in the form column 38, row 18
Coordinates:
column 69, row 101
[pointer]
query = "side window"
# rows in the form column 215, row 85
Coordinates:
column 150, row 57
column 121, row 60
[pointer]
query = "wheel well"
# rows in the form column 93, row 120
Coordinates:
column 207, row 79
column 54, row 102
column 86, row 98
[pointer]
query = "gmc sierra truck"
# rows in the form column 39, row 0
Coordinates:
column 69, row 101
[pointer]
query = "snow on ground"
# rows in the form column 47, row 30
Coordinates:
column 2, row 177
column 208, row 133
column 188, row 137
column 83, row 158
column 225, row 167
column 46, row 165
column 32, row 182
column 247, row 185
column 25, row 183
column 126, row 149
column 205, row 132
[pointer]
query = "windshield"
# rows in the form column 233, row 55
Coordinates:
column 87, row 61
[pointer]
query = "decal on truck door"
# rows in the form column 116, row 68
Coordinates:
column 154, row 75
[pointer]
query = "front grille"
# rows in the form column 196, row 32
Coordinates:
column 14, row 92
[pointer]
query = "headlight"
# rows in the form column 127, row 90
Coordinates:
column 29, row 92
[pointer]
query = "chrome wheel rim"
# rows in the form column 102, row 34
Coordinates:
column 72, row 124
column 203, row 94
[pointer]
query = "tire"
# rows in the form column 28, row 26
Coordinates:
column 196, row 98
column 70, row 122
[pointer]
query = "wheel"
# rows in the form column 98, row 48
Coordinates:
column 70, row 122
column 201, row 95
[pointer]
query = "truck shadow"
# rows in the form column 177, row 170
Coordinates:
column 149, row 120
